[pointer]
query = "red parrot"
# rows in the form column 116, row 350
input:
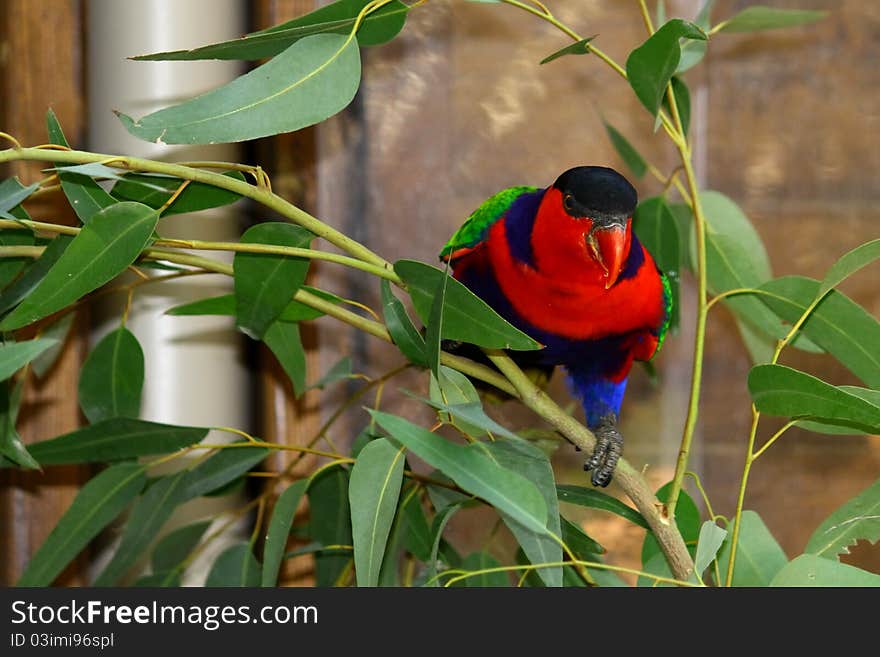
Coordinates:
column 563, row 265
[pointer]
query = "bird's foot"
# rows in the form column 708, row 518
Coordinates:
column 609, row 446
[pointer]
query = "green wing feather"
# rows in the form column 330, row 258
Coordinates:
column 667, row 302
column 474, row 229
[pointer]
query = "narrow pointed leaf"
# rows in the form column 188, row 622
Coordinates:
column 109, row 243
column 466, row 317
column 13, row 194
column 330, row 522
column 650, row 66
column 657, row 230
column 857, row 519
column 627, row 152
column 265, row 282
column 576, row 48
column 177, row 545
column 34, row 273
column 753, row 19
column 539, row 547
column 709, row 542
column 336, row 18
column 478, row 561
column 284, row 341
column 454, row 389
column 849, row 263
column 593, row 499
column 155, row 191
column 400, row 326
column 418, row 536
column 781, row 390
column 373, row 492
column 10, row 268
column 340, row 371
column 225, row 305
column 583, row 546
column 57, row 330
column 94, row 507
column 15, row 355
column 838, row 325
column 473, row 471
column 434, row 325
column 112, row 378
column 310, row 81
column 758, row 555
column 279, row 530
column 437, row 526
column 114, row 440
column 11, row 445
column 86, row 196
column 235, row 567
column 221, row 468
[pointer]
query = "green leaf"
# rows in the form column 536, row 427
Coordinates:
column 752, row 19
column 466, row 317
column 810, row 570
column 838, row 325
column 279, row 530
column 627, row 152
column 594, row 499
column 540, row 547
column 336, row 18
column 576, row 48
column 481, row 561
column 13, row 194
column 109, row 243
column 682, row 98
column 858, row 518
column 236, row 566
column 400, row 326
column 584, row 547
column 10, row 268
column 418, row 536
column 339, row 371
column 25, row 284
column 155, row 191
column 373, row 492
column 112, row 378
column 650, row 66
column 849, row 263
column 473, row 471
column 693, row 51
column 284, row 341
column 176, row 546
column 225, row 305
column 86, row 196
column 437, row 526
column 308, row 82
column 758, row 555
column 709, row 542
column 160, row 579
column 98, row 502
column 15, row 355
column 57, row 330
column 11, row 445
column 725, row 217
column 114, row 440
column 434, row 325
column 265, row 282
column 454, row 389
column 657, row 230
column 227, row 464
column 687, row 518
column 330, row 522
column 781, row 390
column 148, row 515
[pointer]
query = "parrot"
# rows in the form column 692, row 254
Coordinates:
column 563, row 265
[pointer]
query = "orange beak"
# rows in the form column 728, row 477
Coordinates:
column 609, row 247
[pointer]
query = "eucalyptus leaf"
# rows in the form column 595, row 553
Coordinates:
column 308, row 82
column 687, row 519
column 235, row 567
column 13, row 194
column 97, row 503
column 376, row 478
column 594, row 499
column 753, row 19
column 11, row 445
column 583, row 546
column 265, row 282
column 810, row 570
column 657, row 230
column 279, row 530
column 10, row 267
column 225, row 305
column 57, row 330
column 849, row 263
column 758, row 556
column 330, row 522
column 466, row 317
column 708, row 543
column 25, row 284
column 15, row 355
column 478, row 561
column 226, row 465
column 339, row 17
column 400, row 326
column 284, row 341
column 579, row 47
column 627, row 152
column 156, row 191
column 173, row 548
column 106, row 246
column 112, row 378
column 856, row 519
column 437, row 526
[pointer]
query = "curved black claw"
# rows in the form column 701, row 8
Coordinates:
column 609, row 447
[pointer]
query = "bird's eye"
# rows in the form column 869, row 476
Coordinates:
column 568, row 202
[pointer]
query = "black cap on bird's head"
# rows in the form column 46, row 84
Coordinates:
column 608, row 200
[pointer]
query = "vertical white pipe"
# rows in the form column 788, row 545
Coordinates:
column 195, row 374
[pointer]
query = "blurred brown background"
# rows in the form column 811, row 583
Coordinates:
column 457, row 107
